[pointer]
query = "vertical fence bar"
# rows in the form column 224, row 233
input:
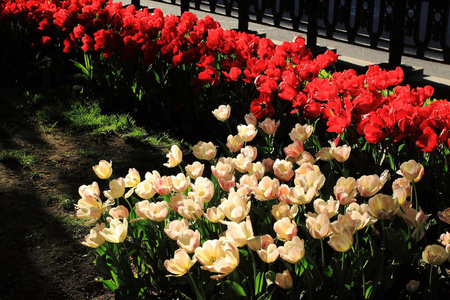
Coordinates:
column 243, row 17
column 311, row 36
column 397, row 34
column 136, row 3
column 184, row 6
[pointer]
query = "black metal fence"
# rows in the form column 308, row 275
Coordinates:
column 417, row 28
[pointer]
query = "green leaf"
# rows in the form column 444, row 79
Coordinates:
column 239, row 290
column 270, row 277
column 111, row 285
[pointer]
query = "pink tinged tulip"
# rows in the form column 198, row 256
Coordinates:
column 221, row 169
column 444, row 215
column 94, row 239
column 402, row 183
column 268, row 164
column 294, row 150
column 234, row 143
column 247, row 132
column 180, row 183
column 133, row 178
column 202, row 189
column 91, row 191
column 343, row 223
column 318, row 226
column 180, row 264
column 293, row 251
column 90, row 210
column 382, row 206
column 117, row 188
column 265, row 247
column 345, row 190
column 190, row 209
column 228, row 182
column 412, row 286
column 248, row 182
column 284, row 280
column 330, row 207
column 300, row 195
column 119, row 212
column 103, row 170
column 214, row 214
column 444, row 239
column 400, row 195
column 301, row 132
column 269, row 126
column 155, row 211
column 434, row 255
column 411, row 170
column 341, row 153
column 341, row 242
column 415, row 218
column 218, row 257
column 222, row 113
column 237, row 206
column 195, row 170
column 283, row 209
column 309, row 176
column 204, row 151
column 369, row 185
column 250, row 152
column 176, row 200
column 163, row 185
column 283, row 170
column 359, row 214
column 117, row 231
column 324, row 154
column 189, row 240
column 145, row 189
column 176, row 228
column 250, row 119
column 241, row 163
column 267, row 189
column 239, row 233
column 305, row 157
column 285, row 229
column 175, row 156
column 257, row 169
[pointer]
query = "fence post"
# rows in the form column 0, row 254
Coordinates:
column 397, row 34
column 311, row 35
column 184, row 6
column 243, row 17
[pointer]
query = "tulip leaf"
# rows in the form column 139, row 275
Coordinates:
column 270, row 277
column 111, row 285
column 239, row 290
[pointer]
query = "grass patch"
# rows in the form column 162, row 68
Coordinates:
column 18, row 157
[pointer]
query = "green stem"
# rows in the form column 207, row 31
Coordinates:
column 323, row 254
column 255, row 283
column 430, row 282
column 197, row 293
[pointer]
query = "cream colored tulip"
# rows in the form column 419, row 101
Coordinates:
column 241, row 163
column 204, row 151
column 163, row 185
column 444, row 215
column 239, row 233
column 221, row 169
column 415, row 218
column 330, row 207
column 202, row 189
column 228, row 182
column 411, row 170
column 94, row 239
column 284, row 280
column 117, row 188
column 189, row 240
column 324, row 154
column 301, row 132
column 285, row 228
column 222, row 113
column 359, row 214
column 133, row 178
column 318, row 225
column 234, row 143
column 345, row 190
column 117, row 231
column 382, row 206
column 340, row 153
column 218, row 257
column 293, row 251
column 257, row 169
column 180, row 264
column 145, row 189
column 175, row 156
column 155, row 211
column 267, row 189
column 294, row 150
column 248, row 182
column 283, row 170
column 237, row 206
column 190, row 209
column 341, row 242
column 269, row 126
column 434, row 255
column 250, row 152
column 175, row 228
column 180, row 183
column 369, row 185
column 214, row 214
column 103, row 170
column 283, row 209
column 119, row 212
column 250, row 119
column 247, row 132
column 195, row 169
column 267, row 250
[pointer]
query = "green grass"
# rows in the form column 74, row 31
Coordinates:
column 20, row 157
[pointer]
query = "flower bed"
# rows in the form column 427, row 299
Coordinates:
column 281, row 198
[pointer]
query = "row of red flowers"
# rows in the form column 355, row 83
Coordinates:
column 287, row 71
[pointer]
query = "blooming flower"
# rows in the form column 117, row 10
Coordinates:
column 103, row 170
column 222, row 113
column 293, row 250
column 195, row 169
column 133, row 178
column 218, row 257
column 382, row 206
column 284, row 280
column 434, row 255
column 94, row 239
column 247, row 132
column 411, row 170
column 175, row 228
column 269, row 126
column 117, row 188
column 204, row 151
column 189, row 240
column 175, row 156
column 285, row 228
column 117, row 231
column 318, row 225
column 180, row 264
column 155, row 211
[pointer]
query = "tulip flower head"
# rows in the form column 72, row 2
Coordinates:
column 222, row 113
column 103, row 170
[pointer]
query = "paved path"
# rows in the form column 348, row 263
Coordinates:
column 434, row 73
